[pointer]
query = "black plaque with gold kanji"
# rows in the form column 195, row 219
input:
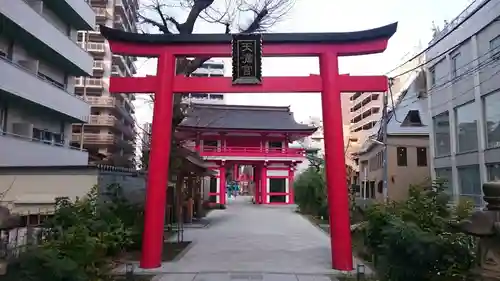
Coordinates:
column 247, row 59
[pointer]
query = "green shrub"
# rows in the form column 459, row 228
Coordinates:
column 81, row 238
column 310, row 192
column 413, row 240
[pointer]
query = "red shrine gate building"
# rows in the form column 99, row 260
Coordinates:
column 228, row 136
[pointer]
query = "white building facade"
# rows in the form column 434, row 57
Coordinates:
column 39, row 58
column 464, row 100
column 110, row 135
column 211, row 68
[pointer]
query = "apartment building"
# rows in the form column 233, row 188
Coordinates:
column 110, row 134
column 407, row 147
column 39, row 58
column 464, row 100
column 211, row 68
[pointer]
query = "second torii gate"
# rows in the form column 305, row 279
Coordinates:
column 327, row 46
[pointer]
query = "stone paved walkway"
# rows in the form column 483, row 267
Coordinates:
column 267, row 241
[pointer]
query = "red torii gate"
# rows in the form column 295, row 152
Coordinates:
column 327, row 46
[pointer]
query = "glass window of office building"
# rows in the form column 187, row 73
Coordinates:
column 492, row 119
column 470, row 183
column 444, row 174
column 441, row 125
column 466, row 126
column 493, row 172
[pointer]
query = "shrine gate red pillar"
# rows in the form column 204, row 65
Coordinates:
column 291, row 196
column 156, row 191
column 338, row 199
column 222, row 184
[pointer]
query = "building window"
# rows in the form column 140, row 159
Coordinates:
column 493, row 172
column 454, row 64
column 412, row 119
column 210, row 143
column 469, row 183
column 275, row 144
column 444, row 175
column 372, row 189
column 492, row 119
column 432, row 76
column 495, row 48
column 441, row 125
column 402, row 156
column 466, row 117
column 421, row 156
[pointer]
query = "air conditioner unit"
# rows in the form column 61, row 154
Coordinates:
column 23, row 129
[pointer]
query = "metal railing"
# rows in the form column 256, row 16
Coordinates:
column 90, row 82
column 67, row 35
column 37, row 140
column 35, row 74
column 103, row 120
column 98, row 64
column 460, row 18
column 102, row 12
column 101, row 101
column 95, row 47
column 93, row 138
column 204, row 150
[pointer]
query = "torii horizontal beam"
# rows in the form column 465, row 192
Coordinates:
column 299, row 84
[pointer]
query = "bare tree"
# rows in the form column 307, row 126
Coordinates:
column 256, row 15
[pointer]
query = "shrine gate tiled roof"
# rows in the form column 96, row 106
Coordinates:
column 242, row 117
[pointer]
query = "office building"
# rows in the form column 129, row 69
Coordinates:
column 110, row 134
column 211, row 68
column 464, row 100
column 39, row 58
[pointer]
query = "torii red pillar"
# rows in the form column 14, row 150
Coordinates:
column 327, row 46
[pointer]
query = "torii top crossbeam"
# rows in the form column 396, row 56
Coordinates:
column 327, row 46
column 275, row 44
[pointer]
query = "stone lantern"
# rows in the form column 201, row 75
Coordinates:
column 485, row 224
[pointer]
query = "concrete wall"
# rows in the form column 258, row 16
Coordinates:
column 34, row 190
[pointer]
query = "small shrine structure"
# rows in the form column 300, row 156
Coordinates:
column 229, row 136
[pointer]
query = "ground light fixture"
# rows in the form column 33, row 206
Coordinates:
column 360, row 272
column 129, row 271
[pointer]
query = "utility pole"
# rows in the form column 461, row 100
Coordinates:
column 385, row 120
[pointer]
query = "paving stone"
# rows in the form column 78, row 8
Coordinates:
column 255, row 238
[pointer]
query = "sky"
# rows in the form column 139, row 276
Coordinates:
column 415, row 21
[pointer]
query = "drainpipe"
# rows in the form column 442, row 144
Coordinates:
column 84, row 80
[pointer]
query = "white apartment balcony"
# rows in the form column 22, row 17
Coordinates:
column 96, row 83
column 208, row 72
column 116, row 71
column 23, row 151
column 43, row 39
column 103, row 13
column 76, row 12
column 112, row 103
column 102, row 120
column 98, row 65
column 121, row 62
column 97, row 48
column 25, row 83
column 95, row 139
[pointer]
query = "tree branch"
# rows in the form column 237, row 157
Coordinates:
column 162, row 27
column 199, row 5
